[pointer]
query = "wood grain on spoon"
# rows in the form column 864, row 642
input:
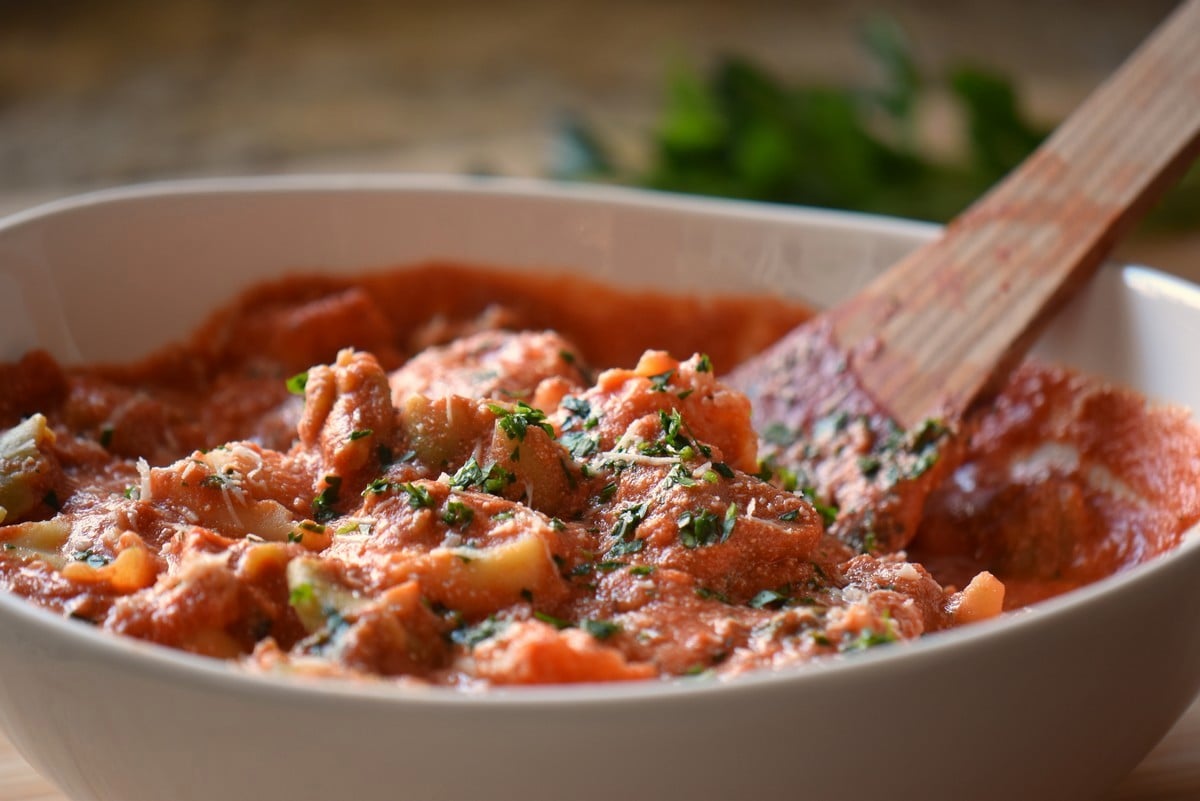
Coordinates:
column 843, row 403
column 942, row 328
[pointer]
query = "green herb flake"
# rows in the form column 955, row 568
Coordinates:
column 627, row 521
column 106, row 436
column 704, row 364
column 627, row 548
column 600, row 629
column 301, row 594
column 769, row 599
column 702, row 528
column 831, row 424
column 580, row 444
column 458, row 514
column 722, row 469
column 492, row 479
column 323, row 504
column 827, row 511
column 360, row 433
column 93, row 559
column 778, row 434
column 707, row 594
column 380, row 486
column 470, row 636
column 515, row 422
column 658, row 383
column 869, row 465
column 297, row 383
column 418, row 496
column 557, row 622
column 869, row 638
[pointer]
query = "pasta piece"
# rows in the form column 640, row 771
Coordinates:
column 28, row 469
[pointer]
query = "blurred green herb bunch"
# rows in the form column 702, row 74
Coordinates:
column 740, row 132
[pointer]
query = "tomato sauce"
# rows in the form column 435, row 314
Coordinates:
column 465, row 477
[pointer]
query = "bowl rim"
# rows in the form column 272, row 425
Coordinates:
column 230, row 677
column 486, row 185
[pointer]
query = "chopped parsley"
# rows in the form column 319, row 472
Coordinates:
column 869, row 638
column 557, row 622
column 628, row 520
column 674, row 441
column 697, row 529
column 315, row 528
column 418, row 496
column 627, row 548
column 515, row 422
column 831, row 424
column 470, row 636
column 577, row 434
column 323, row 504
column 379, row 486
column 297, row 383
column 658, row 383
column 600, row 629
column 580, row 444
column 869, row 465
column 216, row 480
column 458, row 513
column 360, row 434
column 301, row 594
column 90, row 557
column 769, row 599
column 722, row 469
column 778, row 434
column 707, row 594
column 493, row 479
column 828, row 512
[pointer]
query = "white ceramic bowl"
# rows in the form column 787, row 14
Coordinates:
column 1054, row 702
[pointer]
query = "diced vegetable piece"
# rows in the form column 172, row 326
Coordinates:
column 27, row 468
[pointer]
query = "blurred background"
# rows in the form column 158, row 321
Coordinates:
column 906, row 108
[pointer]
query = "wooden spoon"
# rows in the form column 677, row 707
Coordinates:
column 841, row 401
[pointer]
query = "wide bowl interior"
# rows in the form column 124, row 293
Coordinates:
column 1057, row 701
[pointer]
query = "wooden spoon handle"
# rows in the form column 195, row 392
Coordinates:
column 941, row 329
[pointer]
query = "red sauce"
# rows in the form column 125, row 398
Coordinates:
column 490, row 480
